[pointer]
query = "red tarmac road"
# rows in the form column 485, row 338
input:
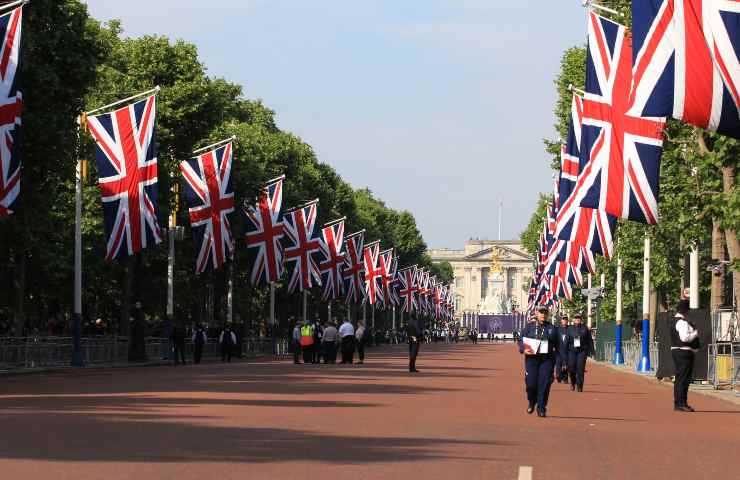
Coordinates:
column 463, row 416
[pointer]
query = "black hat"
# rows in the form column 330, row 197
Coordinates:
column 543, row 309
column 563, row 317
column 578, row 315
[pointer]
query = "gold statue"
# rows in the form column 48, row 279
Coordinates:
column 496, row 254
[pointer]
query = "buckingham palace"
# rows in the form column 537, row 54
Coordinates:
column 491, row 276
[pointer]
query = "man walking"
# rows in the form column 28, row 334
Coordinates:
column 580, row 347
column 414, row 331
column 561, row 361
column 199, row 339
column 347, row 336
column 684, row 345
column 227, row 340
column 538, row 344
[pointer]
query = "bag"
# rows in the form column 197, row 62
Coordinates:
column 306, row 341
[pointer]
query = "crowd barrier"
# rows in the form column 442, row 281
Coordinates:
column 632, row 353
column 44, row 352
column 724, row 365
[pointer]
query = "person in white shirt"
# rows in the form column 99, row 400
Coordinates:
column 328, row 343
column 684, row 345
column 347, row 336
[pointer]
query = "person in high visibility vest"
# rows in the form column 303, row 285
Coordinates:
column 307, row 342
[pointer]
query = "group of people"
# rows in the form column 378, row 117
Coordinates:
column 560, row 353
column 315, row 342
column 552, row 352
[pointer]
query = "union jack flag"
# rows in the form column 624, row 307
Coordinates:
column 385, row 264
column 301, row 249
column 11, row 104
column 354, row 267
column 622, row 148
column 686, row 61
column 570, row 152
column 264, row 233
column 408, row 289
column 334, row 260
column 211, row 199
column 127, row 166
column 372, row 272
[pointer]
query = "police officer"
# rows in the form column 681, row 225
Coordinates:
column 414, row 332
column 539, row 343
column 580, row 346
column 561, row 360
column 684, row 345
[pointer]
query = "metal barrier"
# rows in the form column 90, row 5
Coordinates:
column 632, row 353
column 723, row 365
column 36, row 352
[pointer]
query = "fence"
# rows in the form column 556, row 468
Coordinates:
column 632, row 353
column 723, row 365
column 35, row 352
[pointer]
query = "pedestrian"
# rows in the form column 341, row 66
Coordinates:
column 347, row 339
column 684, row 345
column 538, row 344
column 199, row 340
column 307, row 342
column 360, row 340
column 178, row 340
column 413, row 334
column 580, row 347
column 318, row 333
column 297, row 343
column 227, row 340
column 561, row 361
column 329, row 343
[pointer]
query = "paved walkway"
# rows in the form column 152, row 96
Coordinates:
column 461, row 417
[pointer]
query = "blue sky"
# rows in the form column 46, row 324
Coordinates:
column 438, row 106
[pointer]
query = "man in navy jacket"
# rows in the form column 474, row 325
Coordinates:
column 539, row 345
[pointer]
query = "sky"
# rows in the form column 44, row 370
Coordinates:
column 437, row 106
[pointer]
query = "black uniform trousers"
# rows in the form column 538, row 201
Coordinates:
column 197, row 352
column 296, row 351
column 577, row 366
column 361, row 349
column 348, row 348
column 413, row 353
column 538, row 378
column 683, row 360
column 330, row 352
column 561, row 366
column 308, row 355
column 180, row 351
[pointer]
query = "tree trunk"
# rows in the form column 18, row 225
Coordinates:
column 19, row 285
column 718, row 254
column 733, row 244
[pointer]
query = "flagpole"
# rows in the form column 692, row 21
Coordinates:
column 694, row 277
column 644, row 365
column 77, row 314
column 230, row 294
column 393, row 318
column 305, row 306
column 14, row 4
column 328, row 311
column 221, row 142
column 588, row 304
column 618, row 358
column 132, row 97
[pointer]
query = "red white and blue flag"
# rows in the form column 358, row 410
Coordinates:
column 354, row 267
column 332, row 266
column 621, row 148
column 408, row 289
column 126, row 155
column 686, row 61
column 385, row 288
column 372, row 272
column 11, row 104
column 301, row 250
column 210, row 195
column 264, row 232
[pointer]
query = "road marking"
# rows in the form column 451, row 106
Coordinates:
column 525, row 473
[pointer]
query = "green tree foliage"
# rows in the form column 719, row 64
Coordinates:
column 92, row 65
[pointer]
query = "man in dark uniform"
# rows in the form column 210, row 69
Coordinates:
column 414, row 331
column 684, row 345
column 561, row 361
column 538, row 344
column 580, row 346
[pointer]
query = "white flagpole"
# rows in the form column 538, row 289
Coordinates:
column 644, row 365
column 588, row 305
column 694, row 277
column 14, row 4
column 132, row 97
column 221, row 142
column 77, row 314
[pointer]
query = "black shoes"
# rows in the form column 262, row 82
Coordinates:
column 572, row 387
column 580, row 388
column 541, row 412
column 530, row 408
column 413, row 370
column 683, row 408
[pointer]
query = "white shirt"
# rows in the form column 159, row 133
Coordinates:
column 686, row 332
column 346, row 329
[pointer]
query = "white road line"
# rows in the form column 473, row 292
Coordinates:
column 525, row 473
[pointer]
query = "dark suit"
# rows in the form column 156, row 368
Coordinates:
column 414, row 329
column 539, row 367
column 581, row 336
column 561, row 360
